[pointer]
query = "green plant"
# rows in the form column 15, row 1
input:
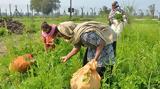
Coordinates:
column 3, row 31
column 137, row 60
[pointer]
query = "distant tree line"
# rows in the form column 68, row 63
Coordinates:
column 52, row 8
column 45, row 6
column 150, row 11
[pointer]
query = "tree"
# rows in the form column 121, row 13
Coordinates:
column 104, row 10
column 16, row 12
column 159, row 16
column 152, row 9
column 141, row 13
column 147, row 12
column 36, row 5
column 45, row 6
column 76, row 13
column 82, row 11
column 134, row 13
column 64, row 13
column 130, row 10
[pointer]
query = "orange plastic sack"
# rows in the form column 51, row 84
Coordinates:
column 21, row 63
column 86, row 77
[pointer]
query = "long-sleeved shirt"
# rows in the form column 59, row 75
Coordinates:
column 113, row 13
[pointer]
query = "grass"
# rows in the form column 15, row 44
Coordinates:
column 137, row 62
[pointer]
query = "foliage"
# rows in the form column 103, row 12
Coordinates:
column 152, row 9
column 129, row 10
column 36, row 5
column 137, row 61
column 3, row 31
column 104, row 11
column 118, row 16
column 45, row 6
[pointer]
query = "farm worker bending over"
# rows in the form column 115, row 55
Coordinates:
column 49, row 33
column 116, row 18
column 95, row 36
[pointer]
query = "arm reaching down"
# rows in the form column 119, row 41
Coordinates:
column 99, row 49
column 45, row 45
column 70, row 54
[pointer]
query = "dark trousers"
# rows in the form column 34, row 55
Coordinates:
column 100, row 70
column 85, row 58
column 114, row 44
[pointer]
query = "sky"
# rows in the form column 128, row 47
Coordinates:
column 78, row 4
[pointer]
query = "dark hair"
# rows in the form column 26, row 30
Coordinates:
column 115, row 3
column 56, row 29
column 44, row 25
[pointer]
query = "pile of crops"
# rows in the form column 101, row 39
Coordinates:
column 12, row 25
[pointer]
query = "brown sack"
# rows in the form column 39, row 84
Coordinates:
column 21, row 63
column 86, row 77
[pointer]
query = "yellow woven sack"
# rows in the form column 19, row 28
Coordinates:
column 86, row 77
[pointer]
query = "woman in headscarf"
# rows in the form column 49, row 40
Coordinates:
column 115, row 8
column 49, row 33
column 113, row 18
column 93, row 35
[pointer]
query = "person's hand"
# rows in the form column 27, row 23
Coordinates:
column 50, row 43
column 32, row 61
column 64, row 59
column 93, row 64
column 95, row 59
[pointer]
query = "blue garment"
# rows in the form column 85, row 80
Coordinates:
column 91, row 40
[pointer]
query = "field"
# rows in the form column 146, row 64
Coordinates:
column 137, row 62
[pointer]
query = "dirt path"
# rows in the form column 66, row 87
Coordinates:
column 3, row 49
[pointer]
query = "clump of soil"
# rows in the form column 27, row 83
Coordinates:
column 12, row 25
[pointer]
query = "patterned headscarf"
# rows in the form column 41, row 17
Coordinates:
column 66, row 28
column 53, row 30
column 115, row 3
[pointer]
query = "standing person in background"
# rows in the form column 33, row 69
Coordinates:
column 95, row 36
column 112, row 14
column 159, row 16
column 114, row 19
column 49, row 33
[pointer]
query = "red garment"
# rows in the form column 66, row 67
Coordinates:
column 49, row 37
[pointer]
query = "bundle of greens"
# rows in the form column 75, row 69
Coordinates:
column 118, row 16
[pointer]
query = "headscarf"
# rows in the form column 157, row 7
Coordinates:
column 74, row 31
column 66, row 28
column 44, row 34
column 105, row 32
column 115, row 3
